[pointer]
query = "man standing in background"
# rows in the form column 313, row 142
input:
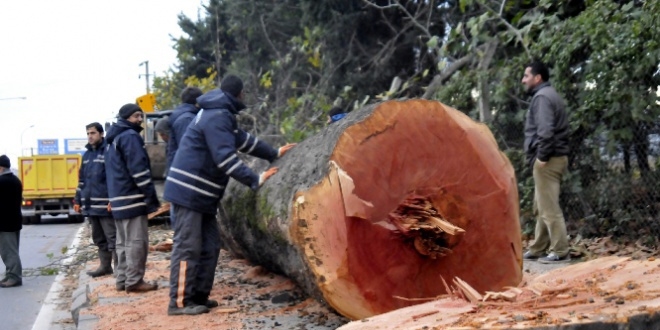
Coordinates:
column 132, row 197
column 546, row 149
column 181, row 118
column 92, row 199
column 11, row 223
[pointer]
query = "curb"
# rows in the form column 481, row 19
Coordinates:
column 48, row 309
column 80, row 297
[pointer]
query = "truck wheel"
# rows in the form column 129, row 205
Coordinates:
column 35, row 219
column 27, row 220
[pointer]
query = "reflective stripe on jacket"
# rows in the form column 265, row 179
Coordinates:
column 128, row 172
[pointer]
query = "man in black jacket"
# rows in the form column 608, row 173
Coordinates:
column 546, row 148
column 92, row 196
column 11, row 196
column 132, row 197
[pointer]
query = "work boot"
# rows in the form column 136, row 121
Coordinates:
column 115, row 263
column 142, row 286
column 209, row 303
column 11, row 282
column 120, row 286
column 188, row 310
column 105, row 268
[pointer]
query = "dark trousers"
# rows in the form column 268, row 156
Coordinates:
column 104, row 232
column 9, row 242
column 194, row 257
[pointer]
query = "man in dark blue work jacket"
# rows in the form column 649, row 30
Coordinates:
column 204, row 162
column 132, row 197
column 92, row 199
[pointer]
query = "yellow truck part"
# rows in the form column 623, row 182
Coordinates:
column 146, row 102
column 49, row 185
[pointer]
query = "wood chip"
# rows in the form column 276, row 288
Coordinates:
column 446, row 226
column 225, row 310
column 419, row 316
column 470, row 293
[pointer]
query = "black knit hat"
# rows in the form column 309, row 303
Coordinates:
column 4, row 161
column 127, row 110
column 232, row 85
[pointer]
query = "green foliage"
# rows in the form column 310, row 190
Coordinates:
column 299, row 58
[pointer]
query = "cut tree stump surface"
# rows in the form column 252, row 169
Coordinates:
column 604, row 293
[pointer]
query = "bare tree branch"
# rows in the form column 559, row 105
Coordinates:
column 439, row 79
column 510, row 27
column 263, row 28
column 396, row 4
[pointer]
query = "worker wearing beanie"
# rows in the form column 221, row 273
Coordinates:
column 132, row 197
column 206, row 159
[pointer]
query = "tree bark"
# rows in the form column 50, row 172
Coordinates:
column 382, row 204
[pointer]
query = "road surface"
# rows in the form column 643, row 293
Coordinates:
column 20, row 306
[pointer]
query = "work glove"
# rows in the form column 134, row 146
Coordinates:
column 267, row 174
column 282, row 150
column 76, row 208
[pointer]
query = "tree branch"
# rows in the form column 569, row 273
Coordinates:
column 440, row 78
column 510, row 27
column 263, row 28
column 396, row 4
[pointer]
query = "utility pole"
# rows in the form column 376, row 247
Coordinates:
column 146, row 73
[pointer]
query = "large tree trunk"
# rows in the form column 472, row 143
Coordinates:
column 382, row 204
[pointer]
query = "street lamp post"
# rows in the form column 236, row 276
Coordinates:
column 25, row 130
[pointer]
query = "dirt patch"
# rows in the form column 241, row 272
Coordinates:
column 250, row 297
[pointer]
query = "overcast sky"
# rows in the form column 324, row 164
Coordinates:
column 76, row 62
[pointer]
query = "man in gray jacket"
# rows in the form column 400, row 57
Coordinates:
column 546, row 150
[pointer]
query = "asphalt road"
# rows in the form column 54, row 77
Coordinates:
column 20, row 306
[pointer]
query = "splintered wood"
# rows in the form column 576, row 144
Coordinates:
column 469, row 292
column 165, row 208
column 418, row 220
column 603, row 293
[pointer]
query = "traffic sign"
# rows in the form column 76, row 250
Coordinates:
column 75, row 146
column 48, row 146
